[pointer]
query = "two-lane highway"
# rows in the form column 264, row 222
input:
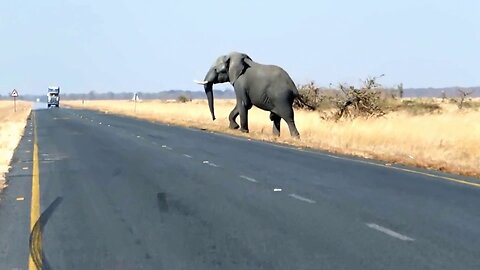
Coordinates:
column 120, row 193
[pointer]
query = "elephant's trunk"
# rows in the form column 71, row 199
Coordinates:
column 210, row 79
column 209, row 92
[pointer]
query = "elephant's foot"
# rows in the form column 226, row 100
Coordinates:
column 293, row 130
column 294, row 134
column 233, row 125
column 296, row 137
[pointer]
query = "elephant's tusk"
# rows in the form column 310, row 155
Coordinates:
column 201, row 82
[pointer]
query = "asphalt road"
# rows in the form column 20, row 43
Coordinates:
column 119, row 193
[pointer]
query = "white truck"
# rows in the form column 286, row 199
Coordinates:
column 53, row 96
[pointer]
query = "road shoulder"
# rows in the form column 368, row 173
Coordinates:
column 15, row 206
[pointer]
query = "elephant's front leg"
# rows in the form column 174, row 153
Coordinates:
column 233, row 115
column 243, row 111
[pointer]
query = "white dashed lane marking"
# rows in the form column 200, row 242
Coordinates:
column 249, row 179
column 389, row 232
column 166, row 147
column 210, row 163
column 188, row 156
column 301, row 198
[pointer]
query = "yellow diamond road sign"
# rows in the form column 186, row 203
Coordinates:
column 14, row 93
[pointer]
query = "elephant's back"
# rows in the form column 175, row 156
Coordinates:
column 274, row 76
column 269, row 86
column 283, row 83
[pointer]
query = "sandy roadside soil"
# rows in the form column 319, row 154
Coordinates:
column 12, row 126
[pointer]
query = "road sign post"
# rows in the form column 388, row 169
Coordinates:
column 135, row 96
column 14, row 94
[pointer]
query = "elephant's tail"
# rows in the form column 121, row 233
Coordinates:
column 299, row 97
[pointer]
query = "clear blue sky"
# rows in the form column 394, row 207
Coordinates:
column 115, row 45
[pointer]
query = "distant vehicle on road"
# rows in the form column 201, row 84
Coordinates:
column 53, row 96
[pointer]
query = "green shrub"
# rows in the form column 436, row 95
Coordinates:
column 183, row 99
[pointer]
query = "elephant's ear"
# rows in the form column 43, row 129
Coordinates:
column 237, row 65
column 248, row 61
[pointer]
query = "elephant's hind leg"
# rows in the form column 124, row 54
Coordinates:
column 288, row 115
column 293, row 129
column 233, row 115
column 276, row 123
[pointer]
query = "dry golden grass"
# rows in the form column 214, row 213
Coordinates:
column 449, row 141
column 12, row 125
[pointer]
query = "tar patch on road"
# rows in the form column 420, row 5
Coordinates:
column 154, row 136
column 162, row 202
column 172, row 206
column 117, row 172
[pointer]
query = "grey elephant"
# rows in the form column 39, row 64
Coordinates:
column 268, row 87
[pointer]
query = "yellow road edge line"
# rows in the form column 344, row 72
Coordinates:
column 468, row 183
column 35, row 202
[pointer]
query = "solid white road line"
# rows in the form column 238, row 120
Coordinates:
column 389, row 232
column 301, row 198
column 249, row 179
